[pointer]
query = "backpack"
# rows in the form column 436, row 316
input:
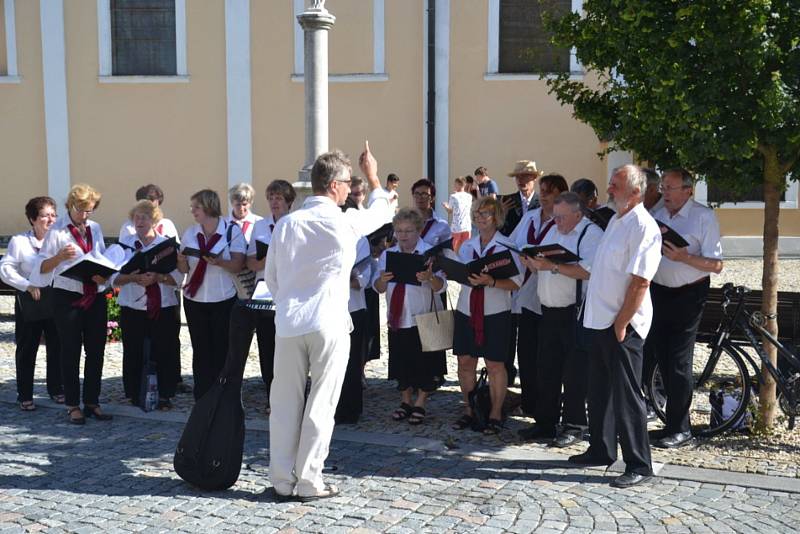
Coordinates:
column 480, row 402
column 209, row 452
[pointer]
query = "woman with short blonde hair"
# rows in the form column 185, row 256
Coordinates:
column 241, row 198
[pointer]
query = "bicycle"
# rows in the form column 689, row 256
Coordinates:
column 722, row 382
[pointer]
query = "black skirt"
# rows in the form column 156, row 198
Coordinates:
column 496, row 333
column 410, row 366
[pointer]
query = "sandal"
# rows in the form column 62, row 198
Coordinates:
column 417, row 416
column 493, row 427
column 402, row 412
column 329, row 491
column 465, row 421
column 27, row 406
column 58, row 399
column 76, row 420
column 93, row 410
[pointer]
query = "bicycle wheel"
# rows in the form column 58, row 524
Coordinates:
column 721, row 392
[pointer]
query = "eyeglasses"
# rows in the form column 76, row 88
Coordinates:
column 85, row 212
column 421, row 195
column 348, row 182
column 559, row 218
column 484, row 214
column 662, row 188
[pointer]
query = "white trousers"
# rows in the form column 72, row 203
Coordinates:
column 299, row 430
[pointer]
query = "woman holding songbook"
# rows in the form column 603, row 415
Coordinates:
column 280, row 196
column 33, row 315
column 78, row 306
column 213, row 251
column 483, row 315
column 147, row 300
column 414, row 370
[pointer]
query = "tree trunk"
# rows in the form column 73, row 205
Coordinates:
column 774, row 185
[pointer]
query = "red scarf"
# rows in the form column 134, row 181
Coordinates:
column 534, row 239
column 153, row 293
column 245, row 226
column 89, row 288
column 200, row 271
column 476, row 298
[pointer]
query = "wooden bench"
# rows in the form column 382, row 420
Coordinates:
column 788, row 316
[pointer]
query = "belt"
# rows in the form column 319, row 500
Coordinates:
column 561, row 312
column 690, row 285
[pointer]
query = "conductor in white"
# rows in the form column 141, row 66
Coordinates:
column 308, row 270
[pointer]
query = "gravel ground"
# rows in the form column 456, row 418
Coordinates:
column 777, row 454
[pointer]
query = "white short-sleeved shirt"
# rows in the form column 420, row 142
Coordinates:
column 18, row 262
column 310, row 257
column 363, row 275
column 133, row 295
column 557, row 290
column 218, row 283
column 246, row 225
column 164, row 227
column 461, row 204
column 527, row 295
column 698, row 225
column 631, row 245
column 435, row 230
column 56, row 238
column 495, row 300
column 417, row 298
column 262, row 231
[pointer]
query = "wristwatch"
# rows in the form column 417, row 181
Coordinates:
column 554, row 270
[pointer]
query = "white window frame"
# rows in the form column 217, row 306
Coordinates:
column 493, row 47
column 378, row 73
column 12, row 74
column 701, row 196
column 105, row 56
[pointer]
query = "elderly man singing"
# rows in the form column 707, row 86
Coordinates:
column 308, row 270
column 619, row 311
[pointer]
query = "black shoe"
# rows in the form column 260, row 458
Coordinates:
column 628, row 480
column 567, row 438
column 589, row 458
column 94, row 411
column 536, row 431
column 674, row 441
column 656, row 435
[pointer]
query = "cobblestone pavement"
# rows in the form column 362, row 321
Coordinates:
column 117, row 476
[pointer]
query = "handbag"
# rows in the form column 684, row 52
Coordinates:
column 435, row 328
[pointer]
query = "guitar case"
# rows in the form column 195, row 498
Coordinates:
column 209, row 452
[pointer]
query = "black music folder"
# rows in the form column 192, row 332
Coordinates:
column 668, row 234
column 405, row 266
column 600, row 216
column 553, row 252
column 86, row 268
column 384, row 232
column 261, row 250
column 161, row 259
column 189, row 251
column 500, row 266
column 439, row 249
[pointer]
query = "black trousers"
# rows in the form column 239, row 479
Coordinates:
column 351, row 400
column 527, row 358
column 616, row 405
column 208, row 328
column 373, row 333
column 243, row 322
column 670, row 343
column 161, row 332
column 559, row 363
column 78, row 329
column 27, row 335
column 176, row 360
column 511, row 370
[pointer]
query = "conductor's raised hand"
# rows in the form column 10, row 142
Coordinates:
column 369, row 166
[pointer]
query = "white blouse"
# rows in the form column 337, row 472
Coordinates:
column 133, row 295
column 495, row 300
column 55, row 239
column 18, row 262
column 527, row 296
column 246, row 225
column 261, row 231
column 218, row 283
column 417, row 298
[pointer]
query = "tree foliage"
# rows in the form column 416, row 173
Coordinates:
column 704, row 84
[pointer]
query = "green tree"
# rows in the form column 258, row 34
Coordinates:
column 710, row 85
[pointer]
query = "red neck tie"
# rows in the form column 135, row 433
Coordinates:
column 534, row 239
column 427, row 227
column 89, row 288
column 153, row 294
column 476, row 301
column 245, row 226
column 200, row 271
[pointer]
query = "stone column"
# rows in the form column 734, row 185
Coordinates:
column 315, row 21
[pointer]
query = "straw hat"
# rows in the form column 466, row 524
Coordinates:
column 525, row 167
